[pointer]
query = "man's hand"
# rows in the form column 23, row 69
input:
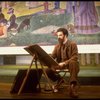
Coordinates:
column 62, row 64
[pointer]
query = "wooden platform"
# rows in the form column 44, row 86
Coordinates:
column 85, row 92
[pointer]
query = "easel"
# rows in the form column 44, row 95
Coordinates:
column 35, row 58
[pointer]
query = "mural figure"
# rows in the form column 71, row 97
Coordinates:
column 57, row 4
column 85, row 17
column 2, row 16
column 46, row 6
column 12, row 20
column 3, row 28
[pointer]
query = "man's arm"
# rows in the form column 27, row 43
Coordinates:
column 73, row 57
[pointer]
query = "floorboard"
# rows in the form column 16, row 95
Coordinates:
column 85, row 92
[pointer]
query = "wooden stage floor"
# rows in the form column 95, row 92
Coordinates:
column 85, row 92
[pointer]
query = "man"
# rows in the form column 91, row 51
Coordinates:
column 66, row 54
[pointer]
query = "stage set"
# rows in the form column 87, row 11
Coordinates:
column 35, row 23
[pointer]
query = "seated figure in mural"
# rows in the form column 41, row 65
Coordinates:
column 3, row 28
column 85, row 16
column 12, row 20
column 2, row 16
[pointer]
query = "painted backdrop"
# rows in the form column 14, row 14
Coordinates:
column 29, row 22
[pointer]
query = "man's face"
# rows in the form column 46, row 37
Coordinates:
column 61, row 37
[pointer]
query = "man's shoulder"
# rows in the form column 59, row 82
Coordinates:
column 57, row 45
column 71, row 42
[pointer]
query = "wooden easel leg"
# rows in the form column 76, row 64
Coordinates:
column 50, row 85
column 27, row 73
column 37, row 73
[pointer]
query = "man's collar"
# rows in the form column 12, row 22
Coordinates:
column 65, row 41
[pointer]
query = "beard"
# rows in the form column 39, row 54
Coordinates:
column 60, row 41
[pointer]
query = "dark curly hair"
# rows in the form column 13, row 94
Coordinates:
column 64, row 30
